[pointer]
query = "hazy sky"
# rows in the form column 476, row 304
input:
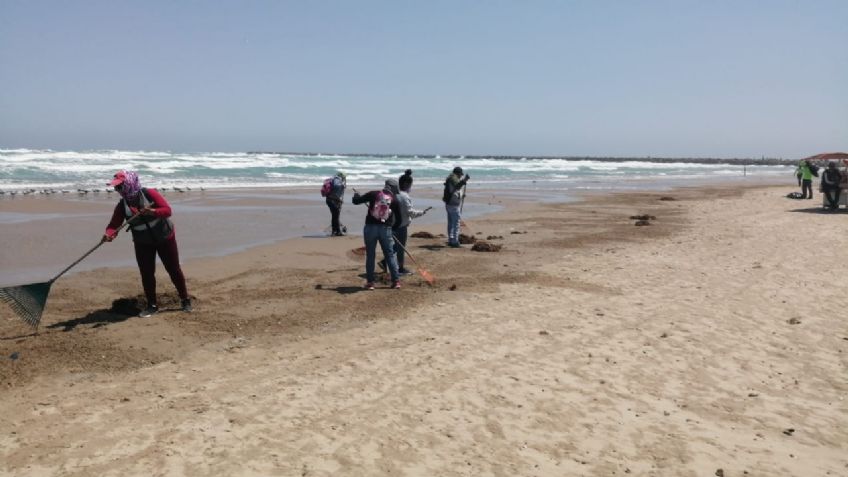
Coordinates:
column 600, row 78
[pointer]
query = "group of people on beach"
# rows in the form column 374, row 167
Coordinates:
column 830, row 186
column 389, row 213
column 147, row 214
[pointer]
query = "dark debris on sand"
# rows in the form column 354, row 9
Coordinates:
column 483, row 246
column 467, row 239
column 643, row 219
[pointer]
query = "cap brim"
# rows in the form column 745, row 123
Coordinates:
column 115, row 182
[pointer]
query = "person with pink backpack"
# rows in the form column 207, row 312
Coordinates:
column 333, row 191
column 382, row 211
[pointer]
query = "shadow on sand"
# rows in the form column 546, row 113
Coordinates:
column 819, row 210
column 121, row 310
column 344, row 290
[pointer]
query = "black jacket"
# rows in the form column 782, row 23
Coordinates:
column 831, row 179
column 369, row 198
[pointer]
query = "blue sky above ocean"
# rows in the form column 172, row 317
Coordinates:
column 562, row 78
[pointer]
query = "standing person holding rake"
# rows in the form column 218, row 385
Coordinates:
column 147, row 213
column 400, row 229
column 407, row 213
column 453, row 198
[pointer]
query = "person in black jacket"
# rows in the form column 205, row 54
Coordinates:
column 830, row 183
column 382, row 212
column 335, row 199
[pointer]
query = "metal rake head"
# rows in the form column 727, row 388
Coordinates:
column 27, row 301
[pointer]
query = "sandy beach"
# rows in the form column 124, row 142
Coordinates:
column 711, row 342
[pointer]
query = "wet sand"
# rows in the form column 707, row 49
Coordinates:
column 46, row 233
column 587, row 346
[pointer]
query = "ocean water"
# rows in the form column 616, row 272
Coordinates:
column 26, row 169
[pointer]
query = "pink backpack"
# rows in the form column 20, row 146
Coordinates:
column 381, row 208
column 327, row 187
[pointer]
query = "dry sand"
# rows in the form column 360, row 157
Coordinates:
column 713, row 339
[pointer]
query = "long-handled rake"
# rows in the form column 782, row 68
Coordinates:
column 426, row 275
column 28, row 301
column 461, row 204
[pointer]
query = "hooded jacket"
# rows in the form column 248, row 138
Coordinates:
column 370, row 197
column 831, row 178
column 452, row 195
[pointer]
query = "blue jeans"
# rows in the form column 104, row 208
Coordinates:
column 373, row 233
column 453, row 224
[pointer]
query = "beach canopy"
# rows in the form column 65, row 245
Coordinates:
column 828, row 156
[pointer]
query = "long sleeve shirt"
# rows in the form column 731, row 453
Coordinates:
column 160, row 206
column 453, row 186
column 410, row 212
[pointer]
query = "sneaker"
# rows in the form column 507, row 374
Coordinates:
column 396, row 285
column 369, row 286
column 404, row 271
column 454, row 245
column 186, row 305
column 149, row 311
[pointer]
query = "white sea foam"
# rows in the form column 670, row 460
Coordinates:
column 43, row 168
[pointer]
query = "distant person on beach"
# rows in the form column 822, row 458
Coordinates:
column 147, row 212
column 453, row 197
column 830, row 183
column 383, row 210
column 406, row 213
column 333, row 190
column 806, row 179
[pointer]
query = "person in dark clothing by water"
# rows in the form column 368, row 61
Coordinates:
column 830, row 185
column 383, row 210
column 453, row 197
column 335, row 199
column 147, row 213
